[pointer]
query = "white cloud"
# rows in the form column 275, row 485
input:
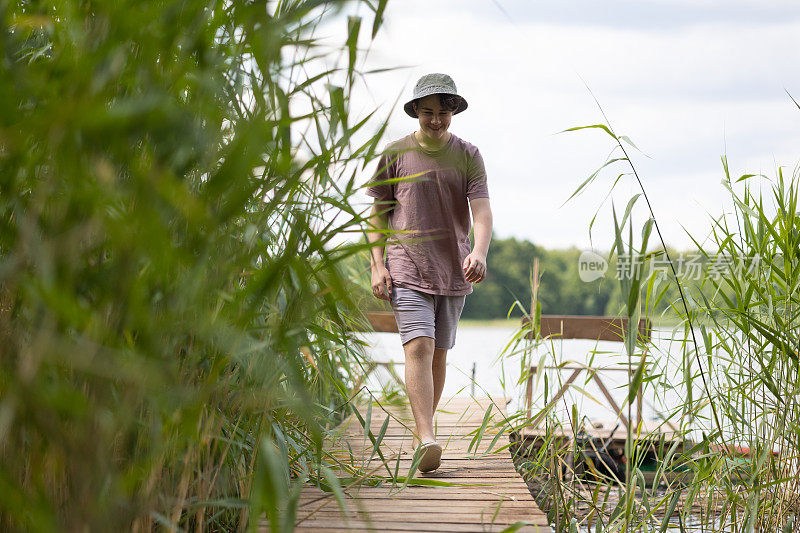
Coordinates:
column 686, row 93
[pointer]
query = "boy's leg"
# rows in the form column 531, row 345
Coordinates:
column 420, row 383
column 425, row 321
column 439, row 373
column 414, row 312
column 447, row 311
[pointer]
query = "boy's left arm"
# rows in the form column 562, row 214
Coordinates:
column 475, row 263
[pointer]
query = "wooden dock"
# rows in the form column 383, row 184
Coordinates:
column 486, row 493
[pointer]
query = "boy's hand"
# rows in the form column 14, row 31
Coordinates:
column 381, row 283
column 474, row 267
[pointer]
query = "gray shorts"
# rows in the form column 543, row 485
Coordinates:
column 427, row 315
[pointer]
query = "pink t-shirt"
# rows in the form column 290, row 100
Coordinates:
column 429, row 216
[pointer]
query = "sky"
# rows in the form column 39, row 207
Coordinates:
column 687, row 81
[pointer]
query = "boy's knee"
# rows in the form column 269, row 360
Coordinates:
column 419, row 347
column 439, row 354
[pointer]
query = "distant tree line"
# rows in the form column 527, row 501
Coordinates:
column 561, row 290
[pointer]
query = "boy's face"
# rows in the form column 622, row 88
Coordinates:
column 433, row 118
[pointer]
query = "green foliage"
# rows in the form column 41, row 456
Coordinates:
column 562, row 291
column 173, row 314
column 752, row 344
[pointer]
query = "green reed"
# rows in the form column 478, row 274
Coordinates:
column 753, row 339
column 173, row 315
column 739, row 375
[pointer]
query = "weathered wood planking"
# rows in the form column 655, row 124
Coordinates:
column 604, row 328
column 601, row 328
column 492, row 498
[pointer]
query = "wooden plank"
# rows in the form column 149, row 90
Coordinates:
column 382, row 321
column 400, row 443
column 610, row 399
column 564, row 387
column 454, row 462
column 440, row 493
column 382, row 525
column 647, row 434
column 435, row 528
column 430, row 514
column 476, row 523
column 601, row 328
column 487, row 495
column 390, row 503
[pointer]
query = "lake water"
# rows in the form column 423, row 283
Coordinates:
column 498, row 375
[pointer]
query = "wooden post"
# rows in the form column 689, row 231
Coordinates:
column 370, row 367
column 610, row 399
column 580, row 327
column 557, row 397
column 389, row 366
column 472, row 383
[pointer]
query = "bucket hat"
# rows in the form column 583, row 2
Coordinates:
column 434, row 84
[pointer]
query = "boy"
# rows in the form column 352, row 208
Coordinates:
column 429, row 267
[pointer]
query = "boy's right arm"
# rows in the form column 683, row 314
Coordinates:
column 376, row 234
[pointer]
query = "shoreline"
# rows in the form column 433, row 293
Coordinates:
column 515, row 322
